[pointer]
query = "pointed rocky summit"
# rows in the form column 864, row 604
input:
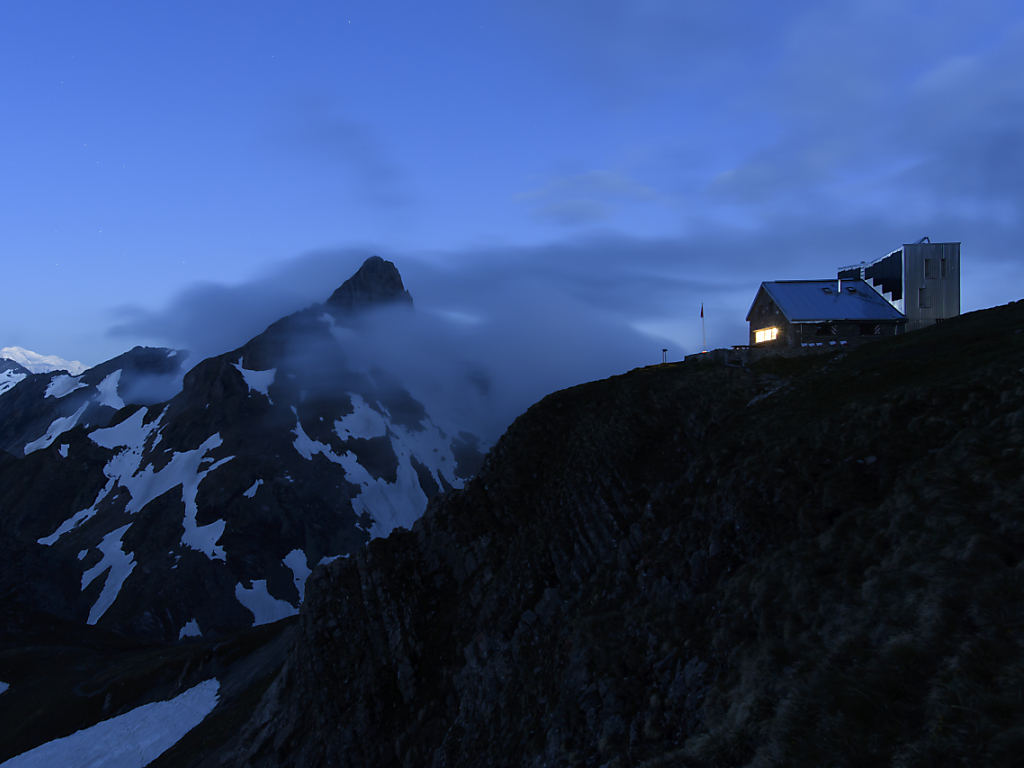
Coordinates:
column 376, row 282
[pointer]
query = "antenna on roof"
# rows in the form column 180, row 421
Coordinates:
column 922, row 240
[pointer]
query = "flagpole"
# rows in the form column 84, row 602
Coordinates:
column 703, row 327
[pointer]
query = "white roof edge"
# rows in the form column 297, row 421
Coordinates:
column 852, row 320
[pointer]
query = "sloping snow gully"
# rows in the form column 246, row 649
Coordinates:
column 132, row 740
column 118, row 564
column 296, row 561
column 257, row 380
column 146, row 484
column 264, row 608
column 390, row 505
column 57, row 428
column 191, row 629
column 108, row 391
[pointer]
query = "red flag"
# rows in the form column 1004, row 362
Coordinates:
column 702, row 309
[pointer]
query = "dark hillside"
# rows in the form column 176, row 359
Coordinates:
column 818, row 561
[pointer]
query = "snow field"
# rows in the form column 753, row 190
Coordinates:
column 63, row 385
column 37, row 363
column 252, row 490
column 132, row 740
column 191, row 629
column 118, row 565
column 108, row 391
column 3, row 686
column 296, row 561
column 258, row 380
column 9, row 378
column 57, row 428
column 364, row 422
column 391, row 505
column 131, row 435
column 331, row 559
column 264, row 608
column 144, row 485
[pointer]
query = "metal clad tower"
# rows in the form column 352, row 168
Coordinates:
column 921, row 280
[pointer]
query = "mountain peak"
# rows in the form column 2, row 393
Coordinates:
column 37, row 363
column 376, row 282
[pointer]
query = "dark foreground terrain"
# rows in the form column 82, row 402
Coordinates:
column 813, row 562
column 65, row 676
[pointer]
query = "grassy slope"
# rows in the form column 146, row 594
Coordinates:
column 881, row 622
column 814, row 562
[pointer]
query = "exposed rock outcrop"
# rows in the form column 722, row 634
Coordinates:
column 377, row 283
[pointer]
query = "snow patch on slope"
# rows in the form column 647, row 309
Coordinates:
column 307, row 446
column 118, row 564
column 3, row 686
column 8, row 379
column 264, row 608
column 252, row 490
column 390, row 505
column 145, row 484
column 191, row 629
column 108, row 391
column 132, row 740
column 296, row 561
column 57, row 428
column 131, row 434
column 364, row 422
column 258, row 380
column 63, row 385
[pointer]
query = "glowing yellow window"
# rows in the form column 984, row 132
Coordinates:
column 766, row 334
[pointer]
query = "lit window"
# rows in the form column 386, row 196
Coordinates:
column 765, row 334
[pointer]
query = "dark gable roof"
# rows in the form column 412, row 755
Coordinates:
column 819, row 301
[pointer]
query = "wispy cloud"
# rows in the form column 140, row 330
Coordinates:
column 348, row 147
column 585, row 198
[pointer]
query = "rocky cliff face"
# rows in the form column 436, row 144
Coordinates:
column 815, row 561
column 376, row 283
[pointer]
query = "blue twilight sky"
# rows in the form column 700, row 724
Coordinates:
column 580, row 174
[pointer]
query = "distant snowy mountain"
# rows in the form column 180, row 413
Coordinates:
column 36, row 408
column 36, row 363
column 206, row 511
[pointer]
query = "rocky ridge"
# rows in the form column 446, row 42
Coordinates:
column 204, row 513
column 813, row 561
